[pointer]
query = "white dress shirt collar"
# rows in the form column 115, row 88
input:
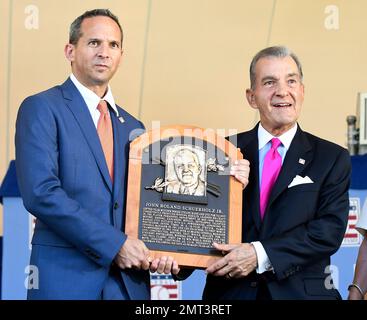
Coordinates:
column 91, row 99
column 286, row 138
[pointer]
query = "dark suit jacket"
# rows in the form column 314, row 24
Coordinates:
column 303, row 225
column 64, row 182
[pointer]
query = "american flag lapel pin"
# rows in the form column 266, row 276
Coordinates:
column 301, row 161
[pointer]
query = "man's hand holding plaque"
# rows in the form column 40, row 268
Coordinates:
column 240, row 169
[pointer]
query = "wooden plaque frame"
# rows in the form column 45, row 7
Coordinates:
column 134, row 188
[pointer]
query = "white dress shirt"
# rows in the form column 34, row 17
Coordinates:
column 92, row 100
column 264, row 138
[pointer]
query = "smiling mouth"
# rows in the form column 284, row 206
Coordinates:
column 187, row 175
column 281, row 105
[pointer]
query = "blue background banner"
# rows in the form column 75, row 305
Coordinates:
column 18, row 228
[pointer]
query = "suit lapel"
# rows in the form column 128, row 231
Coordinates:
column 120, row 140
column 77, row 106
column 300, row 148
column 251, row 200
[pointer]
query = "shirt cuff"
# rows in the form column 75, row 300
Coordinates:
column 263, row 262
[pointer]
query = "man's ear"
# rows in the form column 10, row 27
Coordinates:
column 69, row 52
column 250, row 95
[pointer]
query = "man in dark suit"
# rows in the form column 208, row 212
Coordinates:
column 296, row 203
column 72, row 145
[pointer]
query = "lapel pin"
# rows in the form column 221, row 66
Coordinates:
column 301, row 161
column 121, row 119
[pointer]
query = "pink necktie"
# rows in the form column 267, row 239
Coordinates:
column 104, row 129
column 271, row 169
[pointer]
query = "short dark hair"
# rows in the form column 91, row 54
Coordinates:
column 75, row 28
column 276, row 51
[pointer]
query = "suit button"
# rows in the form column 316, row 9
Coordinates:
column 116, row 206
column 253, row 284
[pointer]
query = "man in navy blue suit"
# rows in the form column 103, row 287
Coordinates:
column 76, row 188
column 290, row 233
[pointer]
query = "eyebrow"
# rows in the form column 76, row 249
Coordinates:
column 289, row 75
column 100, row 40
column 294, row 74
column 266, row 78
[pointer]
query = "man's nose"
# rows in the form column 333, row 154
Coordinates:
column 103, row 51
column 281, row 89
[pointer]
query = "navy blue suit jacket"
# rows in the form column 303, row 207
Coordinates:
column 64, row 182
column 303, row 225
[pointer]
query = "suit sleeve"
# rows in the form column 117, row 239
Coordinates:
column 38, row 175
column 322, row 235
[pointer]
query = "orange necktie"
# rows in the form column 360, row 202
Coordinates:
column 105, row 133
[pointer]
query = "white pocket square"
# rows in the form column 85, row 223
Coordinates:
column 299, row 180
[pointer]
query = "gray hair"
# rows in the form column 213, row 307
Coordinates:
column 75, row 28
column 276, row 51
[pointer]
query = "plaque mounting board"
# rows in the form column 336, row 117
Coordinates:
column 180, row 196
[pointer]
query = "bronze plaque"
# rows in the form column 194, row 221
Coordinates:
column 180, row 196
